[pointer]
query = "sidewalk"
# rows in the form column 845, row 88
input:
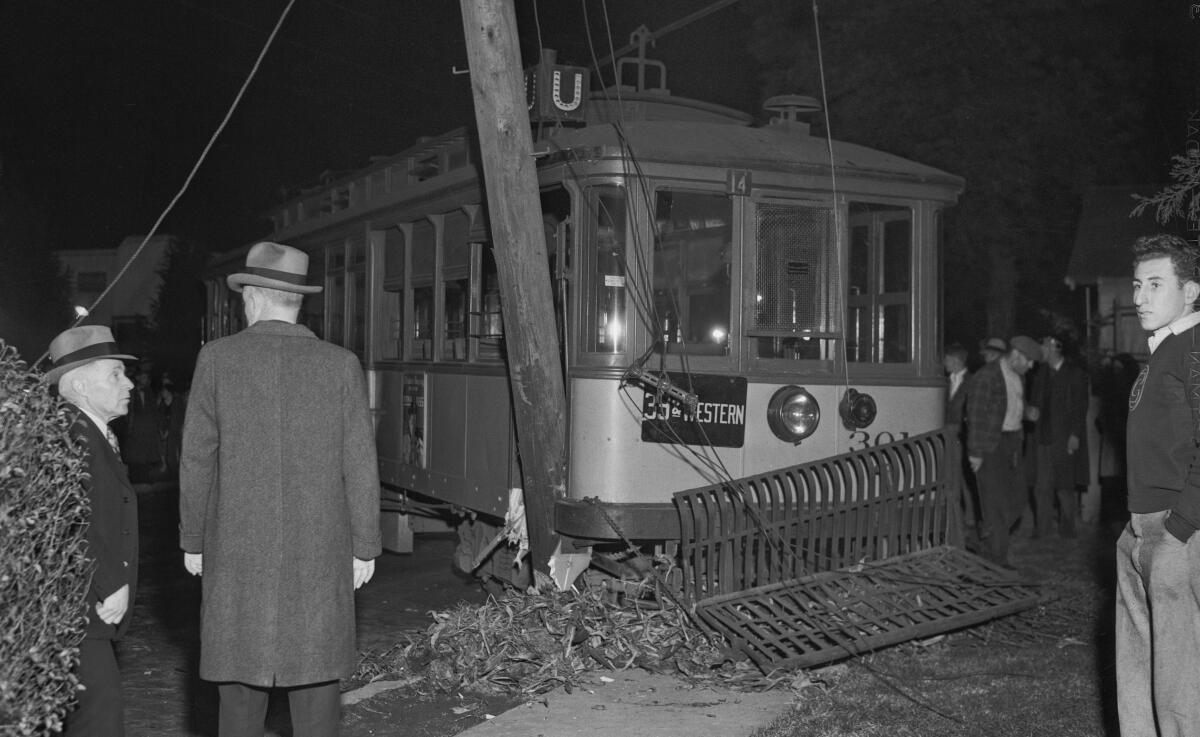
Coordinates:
column 635, row 702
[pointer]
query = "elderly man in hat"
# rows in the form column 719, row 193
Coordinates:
column 995, row 410
column 88, row 372
column 279, row 503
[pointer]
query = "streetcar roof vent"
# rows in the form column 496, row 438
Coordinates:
column 787, row 111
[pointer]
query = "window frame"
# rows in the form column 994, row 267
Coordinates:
column 876, row 300
column 699, row 362
column 837, row 267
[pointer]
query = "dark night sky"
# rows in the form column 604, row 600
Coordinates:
column 105, row 105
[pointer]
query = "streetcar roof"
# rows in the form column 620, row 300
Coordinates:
column 775, row 148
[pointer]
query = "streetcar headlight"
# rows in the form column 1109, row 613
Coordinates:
column 857, row 409
column 793, row 414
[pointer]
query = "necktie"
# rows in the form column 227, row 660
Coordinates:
column 112, row 440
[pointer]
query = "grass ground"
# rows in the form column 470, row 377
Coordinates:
column 1047, row 671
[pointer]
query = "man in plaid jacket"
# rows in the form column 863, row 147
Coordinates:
column 995, row 409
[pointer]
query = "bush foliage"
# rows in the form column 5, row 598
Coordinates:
column 43, row 572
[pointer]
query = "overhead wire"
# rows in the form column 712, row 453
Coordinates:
column 838, row 226
column 704, row 459
column 195, row 168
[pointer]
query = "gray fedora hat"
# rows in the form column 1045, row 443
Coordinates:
column 76, row 346
column 275, row 266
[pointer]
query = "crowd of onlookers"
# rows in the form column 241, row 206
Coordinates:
column 1030, row 404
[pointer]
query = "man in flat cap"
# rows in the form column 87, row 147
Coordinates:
column 279, row 504
column 995, row 410
column 992, row 348
column 89, row 374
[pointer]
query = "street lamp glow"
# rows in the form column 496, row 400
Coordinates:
column 81, row 311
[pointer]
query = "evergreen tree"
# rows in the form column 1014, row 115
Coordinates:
column 177, row 315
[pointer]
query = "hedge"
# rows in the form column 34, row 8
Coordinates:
column 43, row 571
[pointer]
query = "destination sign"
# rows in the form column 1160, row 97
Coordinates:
column 719, row 418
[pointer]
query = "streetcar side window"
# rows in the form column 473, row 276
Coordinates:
column 233, row 314
column 356, row 301
column 312, row 308
column 692, row 243
column 423, row 257
column 879, row 298
column 491, row 323
column 456, row 287
column 605, row 318
column 391, row 328
column 795, row 314
column 346, row 295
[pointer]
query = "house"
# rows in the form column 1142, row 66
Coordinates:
column 1101, row 263
column 127, row 305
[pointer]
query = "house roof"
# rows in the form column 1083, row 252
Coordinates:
column 1106, row 231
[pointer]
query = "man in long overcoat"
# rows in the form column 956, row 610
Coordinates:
column 1060, row 393
column 279, row 503
column 89, row 374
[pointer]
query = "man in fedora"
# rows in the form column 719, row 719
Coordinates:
column 995, row 412
column 279, row 503
column 88, row 372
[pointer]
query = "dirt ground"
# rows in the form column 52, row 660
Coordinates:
column 1061, row 654
column 160, row 656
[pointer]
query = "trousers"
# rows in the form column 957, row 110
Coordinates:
column 1001, row 495
column 1047, row 490
column 1157, row 630
column 100, row 710
column 315, row 708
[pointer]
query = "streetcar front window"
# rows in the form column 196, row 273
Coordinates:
column 795, row 315
column 880, row 328
column 692, row 241
column 606, row 320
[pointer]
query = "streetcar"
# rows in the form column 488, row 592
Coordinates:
column 729, row 298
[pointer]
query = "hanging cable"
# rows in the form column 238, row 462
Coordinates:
column 192, row 174
column 838, row 225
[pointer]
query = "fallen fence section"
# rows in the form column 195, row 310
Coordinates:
column 830, row 559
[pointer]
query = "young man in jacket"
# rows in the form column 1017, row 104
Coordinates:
column 89, row 374
column 279, row 504
column 1158, row 554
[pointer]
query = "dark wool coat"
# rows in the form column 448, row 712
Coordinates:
column 279, row 490
column 112, row 532
column 1061, row 397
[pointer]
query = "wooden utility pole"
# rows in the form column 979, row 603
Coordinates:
column 515, row 215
